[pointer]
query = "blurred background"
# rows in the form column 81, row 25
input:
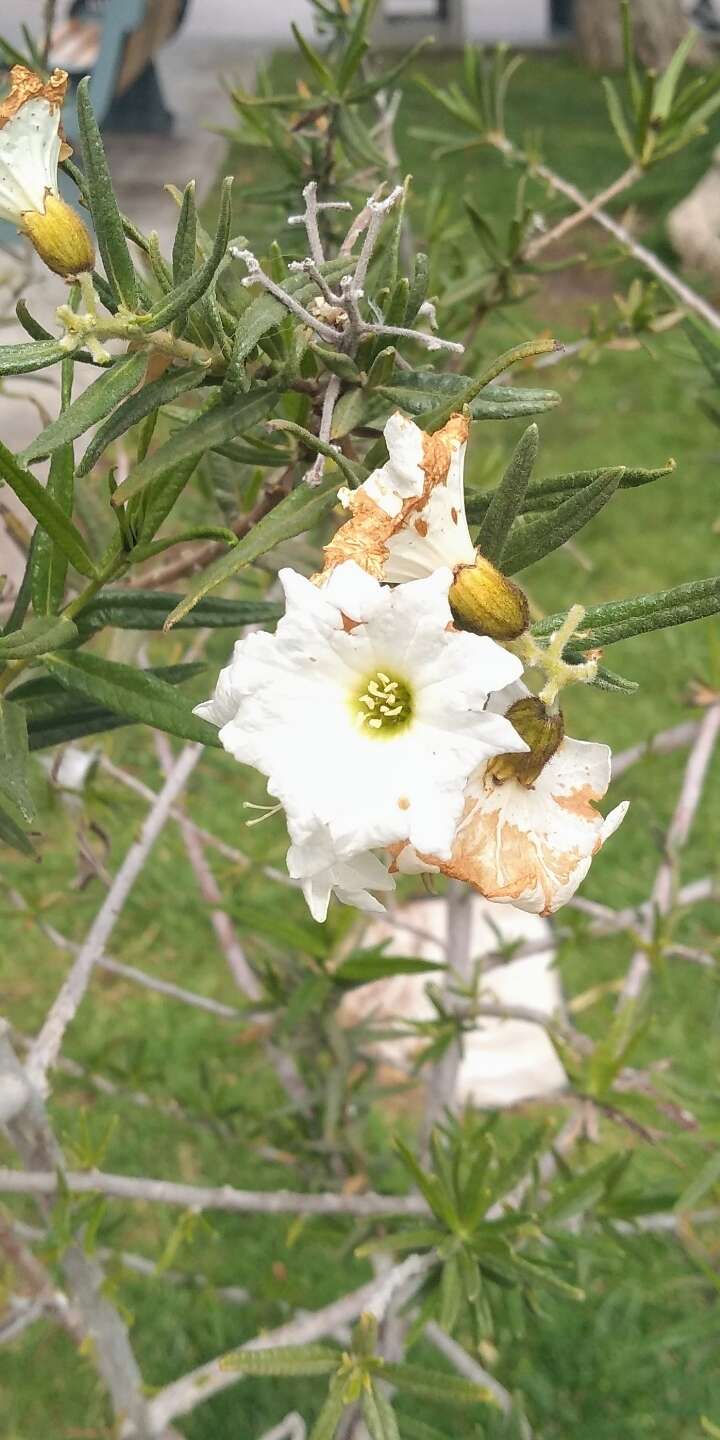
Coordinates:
column 640, row 1358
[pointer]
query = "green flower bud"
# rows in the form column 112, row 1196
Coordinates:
column 486, row 602
column 541, row 730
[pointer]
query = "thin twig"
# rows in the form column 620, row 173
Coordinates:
column 374, row 1297
column 207, row 1197
column 441, row 1079
column 245, row 979
column 584, row 212
column 330, row 398
column 689, row 297
column 47, row 1045
column 664, row 743
column 661, row 900
column 105, row 1334
column 469, row 1368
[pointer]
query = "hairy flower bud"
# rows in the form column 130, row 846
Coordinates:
column 60, row 237
column 486, row 602
column 541, row 730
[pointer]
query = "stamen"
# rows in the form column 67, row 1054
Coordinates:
column 386, row 704
column 269, row 811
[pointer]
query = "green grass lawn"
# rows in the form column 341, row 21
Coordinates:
column 637, row 1359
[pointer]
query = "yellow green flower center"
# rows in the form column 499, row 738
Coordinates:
column 382, row 705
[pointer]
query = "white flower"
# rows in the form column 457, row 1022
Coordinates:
column 408, row 517
column 30, row 142
column 31, row 146
column 365, row 710
column 531, row 845
column 322, row 873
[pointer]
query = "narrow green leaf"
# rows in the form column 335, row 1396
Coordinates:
column 427, row 1384
column 136, row 694
column 283, row 1360
column 299, row 511
column 547, row 494
column 608, row 680
column 56, row 714
column 617, row 117
column 49, row 563
column 433, row 419
column 331, row 1413
column 143, row 402
column 41, row 634
column 103, row 205
column 667, row 84
column 530, row 542
column 24, row 359
column 364, row 966
column 212, row 428
column 451, row 1294
column 24, row 594
column 429, row 1185
column 584, row 1191
column 315, row 61
column 149, row 609
column 417, row 391
column 622, row 619
column 46, row 511
column 379, row 1415
column 357, row 44
column 183, row 252
column 507, row 500
column 111, row 386
column 179, row 300
column 424, row 1237
column 14, row 758
column 151, row 507
column 12, row 835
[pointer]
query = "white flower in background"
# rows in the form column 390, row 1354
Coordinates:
column 366, row 711
column 530, row 843
column 31, row 146
column 322, row 874
column 408, row 517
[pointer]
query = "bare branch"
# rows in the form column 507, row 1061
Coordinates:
column 30, row 1134
column 469, row 1368
column 661, row 900
column 441, row 1079
column 662, row 744
column 246, row 981
column 330, row 398
column 208, row 1197
column 688, row 297
column 585, row 212
column 199, row 1385
column 291, row 1428
column 130, row 972
column 65, row 1006
column 257, row 276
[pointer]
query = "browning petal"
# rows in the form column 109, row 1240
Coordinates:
column 26, row 85
column 364, row 537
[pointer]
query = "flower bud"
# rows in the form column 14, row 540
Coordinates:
column 486, row 602
column 60, row 237
column 541, row 730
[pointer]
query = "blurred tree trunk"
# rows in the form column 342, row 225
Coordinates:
column 659, row 26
